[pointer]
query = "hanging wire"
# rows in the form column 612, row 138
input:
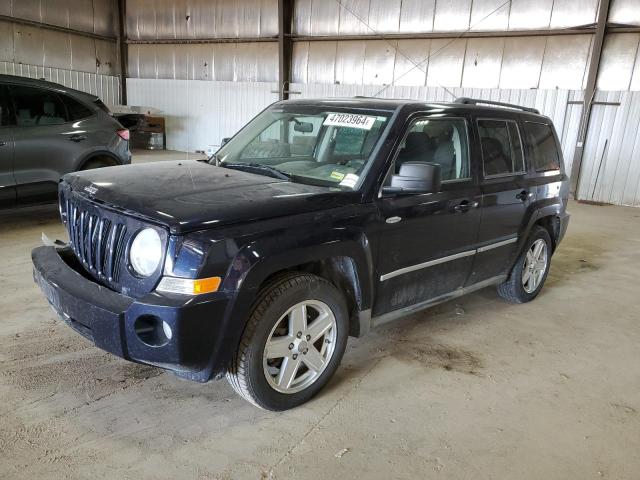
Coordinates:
column 417, row 65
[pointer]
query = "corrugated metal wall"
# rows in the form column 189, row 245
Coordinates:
column 191, row 19
column 74, row 60
column 546, row 71
column 107, row 87
column 200, row 113
column 49, row 48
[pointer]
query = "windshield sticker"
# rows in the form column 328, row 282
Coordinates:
column 350, row 120
column 349, row 180
column 337, row 175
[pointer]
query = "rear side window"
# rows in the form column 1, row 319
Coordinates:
column 543, row 146
column 35, row 106
column 5, row 112
column 501, row 147
column 75, row 109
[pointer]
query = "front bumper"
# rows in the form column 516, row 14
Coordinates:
column 108, row 318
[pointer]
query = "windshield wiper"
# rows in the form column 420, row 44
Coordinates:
column 259, row 169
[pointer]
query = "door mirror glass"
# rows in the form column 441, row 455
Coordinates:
column 415, row 177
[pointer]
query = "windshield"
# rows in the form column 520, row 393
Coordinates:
column 307, row 144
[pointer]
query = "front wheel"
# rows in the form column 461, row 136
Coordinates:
column 293, row 342
column 530, row 271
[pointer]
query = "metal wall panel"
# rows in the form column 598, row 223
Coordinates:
column 104, row 86
column 384, row 15
column 611, row 162
column 321, row 62
column 417, row 16
column 92, row 16
column 526, row 14
column 410, row 66
column 252, row 62
column 350, row 14
column 625, row 12
column 571, row 13
column 51, row 48
column 300, row 60
column 379, row 62
column 617, row 62
column 192, row 19
column 446, row 63
column 482, row 63
column 522, row 62
column 565, row 60
column 452, row 15
column 489, row 15
column 350, row 62
column 192, row 108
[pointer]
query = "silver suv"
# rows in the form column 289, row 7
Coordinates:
column 48, row 130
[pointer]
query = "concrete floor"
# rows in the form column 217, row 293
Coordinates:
column 474, row 389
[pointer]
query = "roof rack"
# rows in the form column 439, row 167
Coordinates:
column 477, row 101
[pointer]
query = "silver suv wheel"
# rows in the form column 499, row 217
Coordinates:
column 299, row 346
column 535, row 266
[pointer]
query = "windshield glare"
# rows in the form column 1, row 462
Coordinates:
column 327, row 148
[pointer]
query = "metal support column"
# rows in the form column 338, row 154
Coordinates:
column 589, row 93
column 122, row 49
column 285, row 47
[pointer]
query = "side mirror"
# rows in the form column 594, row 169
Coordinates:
column 225, row 140
column 303, row 127
column 415, row 177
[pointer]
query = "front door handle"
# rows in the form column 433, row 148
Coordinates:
column 77, row 138
column 523, row 195
column 2, row 144
column 465, row 206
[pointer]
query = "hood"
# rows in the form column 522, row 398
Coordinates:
column 192, row 195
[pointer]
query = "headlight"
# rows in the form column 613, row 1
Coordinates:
column 146, row 252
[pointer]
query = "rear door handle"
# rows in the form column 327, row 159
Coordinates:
column 77, row 138
column 465, row 206
column 523, row 195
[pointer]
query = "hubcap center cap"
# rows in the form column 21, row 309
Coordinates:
column 300, row 346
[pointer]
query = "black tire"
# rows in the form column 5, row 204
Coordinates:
column 512, row 290
column 96, row 163
column 246, row 373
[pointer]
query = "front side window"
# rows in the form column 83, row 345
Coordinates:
column 543, row 146
column 441, row 141
column 307, row 144
column 501, row 147
column 37, row 107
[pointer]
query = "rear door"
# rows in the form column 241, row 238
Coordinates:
column 507, row 194
column 426, row 242
column 7, row 181
column 49, row 140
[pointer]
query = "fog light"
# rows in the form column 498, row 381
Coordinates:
column 167, row 330
column 152, row 331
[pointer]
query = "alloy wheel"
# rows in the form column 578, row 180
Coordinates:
column 300, row 346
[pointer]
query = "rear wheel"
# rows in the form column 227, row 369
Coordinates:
column 292, row 344
column 530, row 271
column 97, row 163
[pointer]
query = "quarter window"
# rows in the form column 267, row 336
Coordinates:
column 75, row 109
column 35, row 106
column 543, row 146
column 440, row 141
column 501, row 147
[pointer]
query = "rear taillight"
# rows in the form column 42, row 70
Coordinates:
column 123, row 134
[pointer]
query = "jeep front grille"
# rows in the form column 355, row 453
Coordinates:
column 98, row 242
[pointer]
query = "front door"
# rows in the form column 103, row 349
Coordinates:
column 506, row 194
column 426, row 242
